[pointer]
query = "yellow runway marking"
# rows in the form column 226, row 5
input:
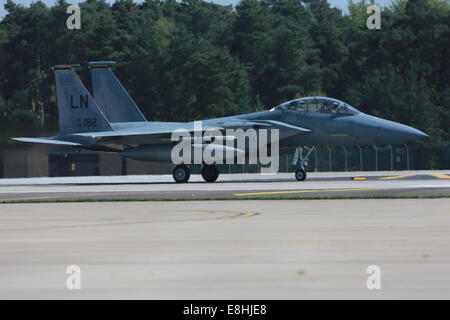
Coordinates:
column 242, row 215
column 313, row 190
column 234, row 216
column 359, row 178
column 441, row 176
column 396, row 177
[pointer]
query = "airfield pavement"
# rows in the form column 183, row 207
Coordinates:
column 228, row 185
column 273, row 249
column 240, row 249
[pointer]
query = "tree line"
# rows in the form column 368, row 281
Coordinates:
column 190, row 59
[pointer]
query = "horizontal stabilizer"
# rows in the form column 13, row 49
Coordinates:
column 47, row 141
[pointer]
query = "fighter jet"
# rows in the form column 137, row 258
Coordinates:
column 113, row 123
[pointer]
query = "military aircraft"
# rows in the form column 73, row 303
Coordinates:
column 112, row 122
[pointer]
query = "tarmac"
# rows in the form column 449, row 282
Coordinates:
column 249, row 249
column 228, row 185
column 240, row 249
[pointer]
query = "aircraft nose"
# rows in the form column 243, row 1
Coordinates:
column 415, row 134
column 393, row 132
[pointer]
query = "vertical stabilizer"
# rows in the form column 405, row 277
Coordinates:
column 78, row 111
column 111, row 96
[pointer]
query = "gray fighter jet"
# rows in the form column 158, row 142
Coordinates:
column 113, row 123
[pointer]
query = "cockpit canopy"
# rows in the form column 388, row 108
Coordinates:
column 318, row 104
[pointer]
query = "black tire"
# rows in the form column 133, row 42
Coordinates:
column 210, row 173
column 181, row 174
column 300, row 175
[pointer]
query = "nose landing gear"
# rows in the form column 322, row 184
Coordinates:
column 300, row 174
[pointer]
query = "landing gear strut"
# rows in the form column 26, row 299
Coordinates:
column 210, row 172
column 300, row 174
column 181, row 173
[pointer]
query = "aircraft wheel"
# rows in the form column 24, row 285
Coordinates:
column 300, row 175
column 181, row 174
column 210, row 173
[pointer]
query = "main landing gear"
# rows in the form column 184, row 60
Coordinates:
column 299, row 158
column 181, row 173
column 210, row 172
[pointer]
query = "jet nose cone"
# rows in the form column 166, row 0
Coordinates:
column 400, row 133
column 417, row 134
column 407, row 133
column 372, row 130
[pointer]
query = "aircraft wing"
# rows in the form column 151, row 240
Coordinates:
column 47, row 141
column 286, row 130
column 144, row 135
column 161, row 133
column 261, row 123
column 244, row 124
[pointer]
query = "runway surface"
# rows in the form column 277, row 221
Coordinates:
column 227, row 249
column 228, row 185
